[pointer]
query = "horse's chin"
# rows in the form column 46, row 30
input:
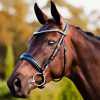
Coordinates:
column 21, row 94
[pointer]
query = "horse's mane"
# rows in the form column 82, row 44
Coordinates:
column 89, row 33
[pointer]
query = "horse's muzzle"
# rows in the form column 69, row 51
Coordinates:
column 16, row 88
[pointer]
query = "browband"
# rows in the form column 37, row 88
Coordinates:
column 55, row 30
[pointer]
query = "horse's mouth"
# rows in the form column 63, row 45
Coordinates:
column 20, row 94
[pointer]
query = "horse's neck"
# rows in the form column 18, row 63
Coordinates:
column 86, row 75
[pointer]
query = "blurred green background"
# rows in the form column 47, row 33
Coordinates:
column 16, row 26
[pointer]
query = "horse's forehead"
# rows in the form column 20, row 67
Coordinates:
column 48, row 26
column 39, row 37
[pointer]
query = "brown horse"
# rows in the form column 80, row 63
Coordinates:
column 58, row 49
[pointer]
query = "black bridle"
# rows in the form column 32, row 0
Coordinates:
column 43, row 68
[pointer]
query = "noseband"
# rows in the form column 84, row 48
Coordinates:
column 41, row 69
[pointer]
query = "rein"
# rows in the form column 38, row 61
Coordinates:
column 42, row 68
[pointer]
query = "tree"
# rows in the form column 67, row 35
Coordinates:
column 13, row 28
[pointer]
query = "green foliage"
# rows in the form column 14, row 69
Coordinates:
column 68, row 91
column 3, row 89
column 9, row 61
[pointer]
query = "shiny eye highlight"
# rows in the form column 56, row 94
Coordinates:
column 51, row 42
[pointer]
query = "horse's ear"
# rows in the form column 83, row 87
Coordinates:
column 57, row 17
column 42, row 18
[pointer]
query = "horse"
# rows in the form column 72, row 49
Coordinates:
column 56, row 50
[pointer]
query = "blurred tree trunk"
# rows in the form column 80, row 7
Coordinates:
column 9, row 61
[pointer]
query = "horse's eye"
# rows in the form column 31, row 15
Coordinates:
column 51, row 42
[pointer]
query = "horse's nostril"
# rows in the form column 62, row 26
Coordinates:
column 17, row 84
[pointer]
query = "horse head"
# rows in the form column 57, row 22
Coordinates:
column 45, row 58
